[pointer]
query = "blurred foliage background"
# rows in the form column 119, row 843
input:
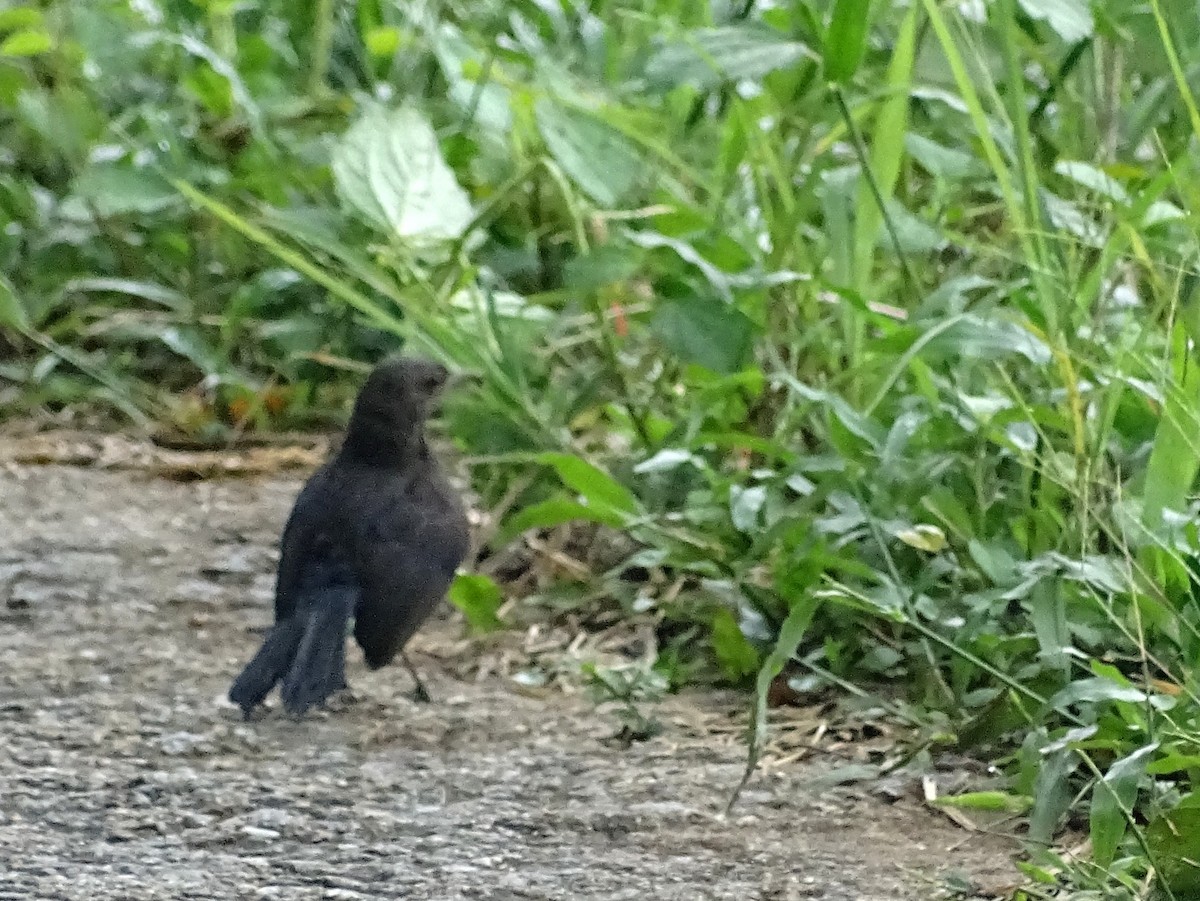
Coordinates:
column 850, row 345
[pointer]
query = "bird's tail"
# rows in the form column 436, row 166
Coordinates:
column 306, row 652
column 318, row 669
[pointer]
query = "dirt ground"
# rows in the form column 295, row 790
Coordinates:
column 127, row 604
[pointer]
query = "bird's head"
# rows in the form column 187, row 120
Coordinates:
column 394, row 403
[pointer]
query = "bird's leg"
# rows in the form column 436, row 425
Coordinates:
column 420, row 695
column 338, row 676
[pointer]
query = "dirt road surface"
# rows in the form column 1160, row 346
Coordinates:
column 127, row 604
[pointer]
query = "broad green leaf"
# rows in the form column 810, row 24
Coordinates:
column 597, row 489
column 705, row 57
column 114, row 190
column 1093, row 690
column 913, row 234
column 745, row 507
column 668, row 459
column 862, row 427
column 382, row 42
column 995, row 562
column 552, row 512
column 1112, row 798
column 607, row 265
column 940, row 161
column 846, row 39
column 1174, row 762
column 983, row 338
column 1072, row 738
column 1073, row 219
column 1052, row 794
column 1161, row 211
column 20, row 17
column 1105, row 574
column 213, row 90
column 715, row 276
column 705, row 331
column 390, row 169
column 947, row 507
column 1094, row 179
column 596, row 156
column 28, row 42
column 64, row 119
column 1048, row 614
column 800, row 484
column 218, row 66
column 837, row 192
column 1071, row 19
column 480, row 599
column 924, row 537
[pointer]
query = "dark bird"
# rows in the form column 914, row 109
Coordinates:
column 376, row 534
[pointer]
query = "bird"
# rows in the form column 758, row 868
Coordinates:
column 376, row 535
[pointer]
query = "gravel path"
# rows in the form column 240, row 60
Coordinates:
column 128, row 602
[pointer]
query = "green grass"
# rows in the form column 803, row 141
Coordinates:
column 872, row 326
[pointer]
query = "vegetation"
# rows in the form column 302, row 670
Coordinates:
column 871, row 325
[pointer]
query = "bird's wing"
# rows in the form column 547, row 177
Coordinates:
column 405, row 560
column 302, row 537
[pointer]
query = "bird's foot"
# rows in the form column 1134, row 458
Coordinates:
column 419, row 695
